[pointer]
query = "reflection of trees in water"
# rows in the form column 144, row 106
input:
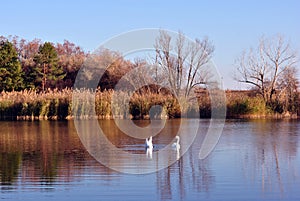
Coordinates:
column 273, row 157
column 44, row 151
column 9, row 168
column 202, row 176
column 164, row 186
column 187, row 173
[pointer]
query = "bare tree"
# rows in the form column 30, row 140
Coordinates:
column 184, row 63
column 265, row 66
column 288, row 93
column 140, row 75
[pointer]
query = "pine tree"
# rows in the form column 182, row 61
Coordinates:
column 47, row 72
column 10, row 68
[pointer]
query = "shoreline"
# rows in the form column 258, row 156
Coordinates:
column 108, row 117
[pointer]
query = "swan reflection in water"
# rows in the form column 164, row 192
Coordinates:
column 176, row 146
column 149, row 152
column 149, row 147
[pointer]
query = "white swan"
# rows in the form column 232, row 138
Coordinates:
column 149, row 142
column 176, row 144
column 149, row 152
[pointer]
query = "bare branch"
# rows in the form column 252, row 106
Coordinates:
column 183, row 70
column 267, row 67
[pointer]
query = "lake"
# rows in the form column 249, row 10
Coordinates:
column 253, row 160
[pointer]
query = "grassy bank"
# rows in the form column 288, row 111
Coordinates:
column 247, row 104
column 57, row 105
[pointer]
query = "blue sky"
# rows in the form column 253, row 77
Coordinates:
column 232, row 26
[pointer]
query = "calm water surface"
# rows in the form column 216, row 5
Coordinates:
column 254, row 160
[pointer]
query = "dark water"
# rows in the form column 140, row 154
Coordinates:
column 254, row 160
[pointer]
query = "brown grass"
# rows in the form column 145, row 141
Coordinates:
column 58, row 105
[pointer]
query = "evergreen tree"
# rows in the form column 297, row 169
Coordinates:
column 10, row 68
column 47, row 72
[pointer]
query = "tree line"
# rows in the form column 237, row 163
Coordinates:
column 41, row 66
column 36, row 65
column 270, row 68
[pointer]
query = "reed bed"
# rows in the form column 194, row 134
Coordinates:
column 29, row 104
column 58, row 105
